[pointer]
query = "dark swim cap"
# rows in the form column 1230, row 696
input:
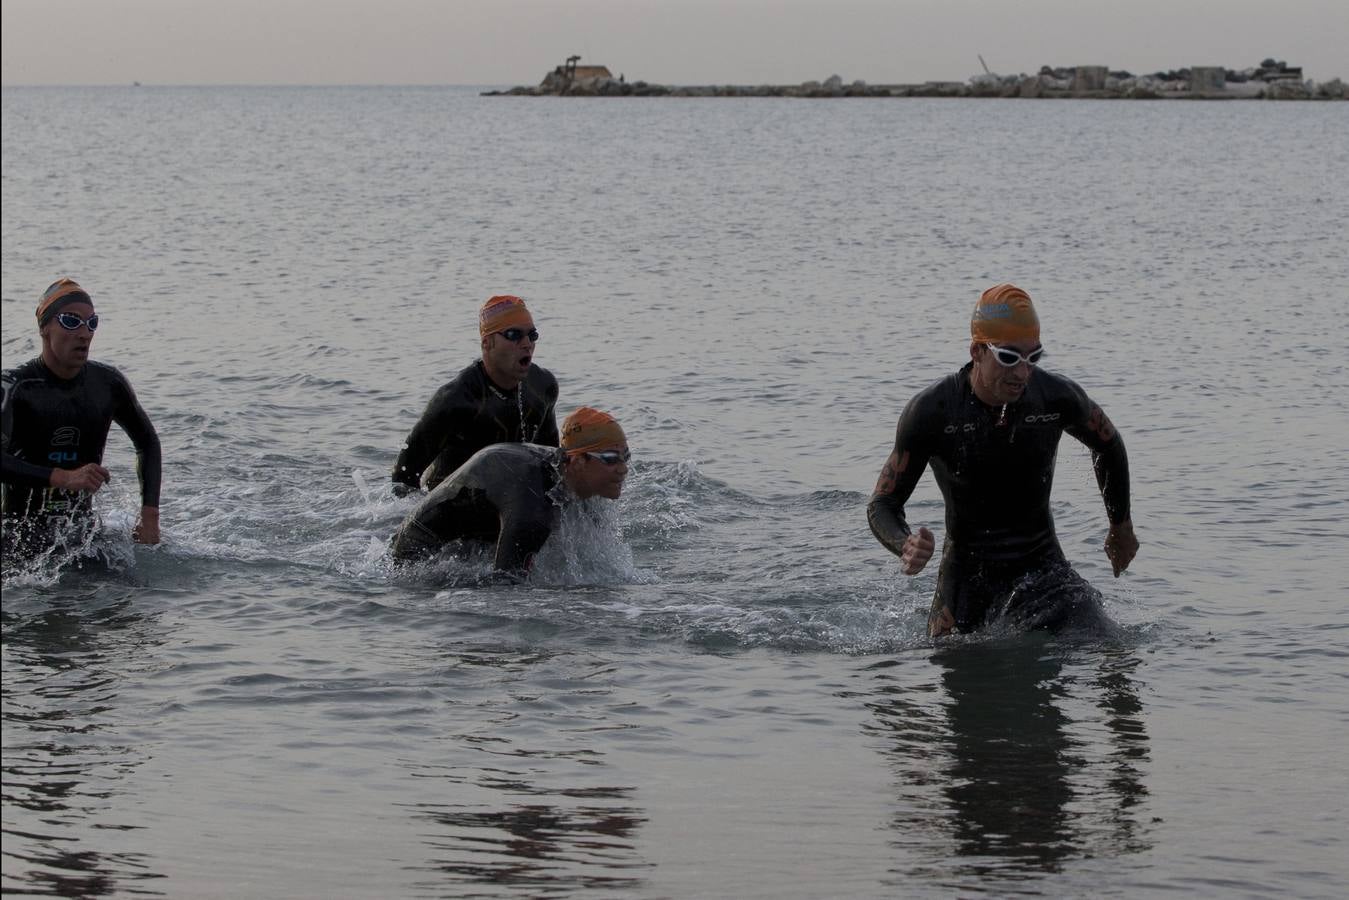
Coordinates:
column 61, row 294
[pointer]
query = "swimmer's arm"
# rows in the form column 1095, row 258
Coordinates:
column 22, row 473
column 885, row 511
column 1112, row 475
column 548, row 434
column 1110, row 462
column 426, row 439
column 13, row 470
column 131, row 417
column 519, row 540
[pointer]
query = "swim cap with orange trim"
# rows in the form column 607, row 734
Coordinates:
column 501, row 312
column 1004, row 315
column 61, row 294
column 588, row 429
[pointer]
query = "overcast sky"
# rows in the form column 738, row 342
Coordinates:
column 506, row 42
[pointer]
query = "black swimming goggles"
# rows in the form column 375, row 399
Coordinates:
column 611, row 457
column 71, row 322
column 1008, row 357
column 515, row 334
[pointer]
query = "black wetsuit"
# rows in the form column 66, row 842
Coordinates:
column 509, row 495
column 470, row 413
column 49, row 423
column 995, row 468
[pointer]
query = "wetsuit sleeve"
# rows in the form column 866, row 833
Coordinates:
column 526, row 522
column 885, row 512
column 427, row 439
column 13, row 470
column 131, row 417
column 1091, row 426
column 518, row 543
column 548, row 435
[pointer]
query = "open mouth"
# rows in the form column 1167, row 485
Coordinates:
column 525, row 360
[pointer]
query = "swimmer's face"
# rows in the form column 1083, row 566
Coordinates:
column 67, row 351
column 509, row 359
column 999, row 383
column 600, row 473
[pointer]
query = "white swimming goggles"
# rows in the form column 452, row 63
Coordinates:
column 1008, row 357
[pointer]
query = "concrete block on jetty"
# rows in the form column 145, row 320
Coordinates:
column 1271, row 80
column 1208, row 80
column 1089, row 79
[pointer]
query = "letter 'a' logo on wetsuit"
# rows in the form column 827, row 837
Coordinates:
column 66, row 436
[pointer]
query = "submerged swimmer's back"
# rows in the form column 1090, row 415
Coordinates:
column 511, row 495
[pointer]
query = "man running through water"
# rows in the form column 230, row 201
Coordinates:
column 991, row 432
column 511, row 495
column 54, row 420
column 501, row 397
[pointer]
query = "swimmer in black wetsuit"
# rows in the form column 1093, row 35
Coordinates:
column 991, row 433
column 54, row 421
column 511, row 495
column 502, row 397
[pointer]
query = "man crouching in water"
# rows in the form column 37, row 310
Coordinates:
column 512, row 495
column 991, row 433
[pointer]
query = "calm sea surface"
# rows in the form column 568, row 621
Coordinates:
column 724, row 689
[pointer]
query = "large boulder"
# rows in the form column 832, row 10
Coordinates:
column 986, row 85
column 1287, row 89
column 1032, row 87
column 1334, row 89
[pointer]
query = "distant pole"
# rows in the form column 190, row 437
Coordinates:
column 984, row 64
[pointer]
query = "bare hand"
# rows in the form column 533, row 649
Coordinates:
column 941, row 623
column 917, row 551
column 1121, row 546
column 147, row 527
column 88, row 477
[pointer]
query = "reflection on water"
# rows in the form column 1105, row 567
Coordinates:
column 554, row 848
column 1013, row 756
column 531, row 816
column 62, row 766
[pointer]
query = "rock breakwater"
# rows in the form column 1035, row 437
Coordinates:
column 1271, row 80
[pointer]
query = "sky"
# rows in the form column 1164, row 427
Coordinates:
column 509, row 42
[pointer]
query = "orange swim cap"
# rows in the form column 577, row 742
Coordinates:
column 589, row 429
column 501, row 312
column 61, row 293
column 1004, row 315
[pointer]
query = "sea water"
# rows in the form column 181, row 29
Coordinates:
column 721, row 686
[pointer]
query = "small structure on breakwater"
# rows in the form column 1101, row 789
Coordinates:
column 570, row 77
column 1271, row 80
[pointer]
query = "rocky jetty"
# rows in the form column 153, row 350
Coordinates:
column 1271, row 80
